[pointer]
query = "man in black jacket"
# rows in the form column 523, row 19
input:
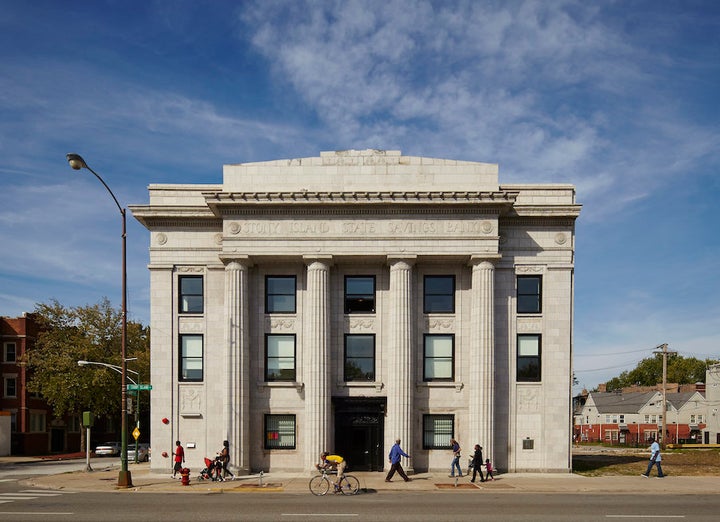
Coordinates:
column 477, row 462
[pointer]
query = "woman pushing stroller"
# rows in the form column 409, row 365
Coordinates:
column 223, row 461
column 216, row 469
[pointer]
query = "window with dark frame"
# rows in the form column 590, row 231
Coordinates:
column 529, row 294
column 437, row 431
column 191, row 294
column 439, row 295
column 280, row 431
column 528, row 358
column 359, row 357
column 10, row 352
column 10, row 387
column 359, row 294
column 191, row 358
column 280, row 294
column 279, row 357
column 438, row 357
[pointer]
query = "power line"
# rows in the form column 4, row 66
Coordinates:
column 606, row 368
column 605, row 354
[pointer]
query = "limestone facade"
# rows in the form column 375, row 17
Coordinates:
column 342, row 301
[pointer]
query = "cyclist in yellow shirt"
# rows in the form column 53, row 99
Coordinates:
column 335, row 462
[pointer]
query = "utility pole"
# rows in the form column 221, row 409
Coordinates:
column 663, row 350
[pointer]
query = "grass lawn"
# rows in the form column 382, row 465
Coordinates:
column 600, row 461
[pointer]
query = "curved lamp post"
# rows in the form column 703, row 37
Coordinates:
column 113, row 367
column 124, row 478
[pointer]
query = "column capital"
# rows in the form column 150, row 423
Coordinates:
column 408, row 259
column 230, row 259
column 477, row 260
column 325, row 260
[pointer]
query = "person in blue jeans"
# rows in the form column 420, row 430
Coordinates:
column 456, row 458
column 655, row 459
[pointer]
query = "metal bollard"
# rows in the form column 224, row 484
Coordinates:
column 261, row 477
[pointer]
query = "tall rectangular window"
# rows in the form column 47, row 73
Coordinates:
column 359, row 357
column 279, row 357
column 280, row 432
column 437, row 431
column 191, row 294
column 529, row 294
column 528, row 358
column 359, row 294
column 439, row 294
column 438, row 357
column 9, row 352
column 280, row 294
column 10, row 388
column 191, row 358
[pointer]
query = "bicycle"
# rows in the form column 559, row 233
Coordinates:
column 320, row 484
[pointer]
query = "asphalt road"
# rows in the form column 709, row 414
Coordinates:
column 20, row 503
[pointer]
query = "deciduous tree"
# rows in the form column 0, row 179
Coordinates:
column 91, row 333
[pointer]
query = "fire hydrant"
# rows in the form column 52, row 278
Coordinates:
column 185, row 477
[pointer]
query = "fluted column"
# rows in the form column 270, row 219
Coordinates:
column 482, row 371
column 237, row 407
column 316, row 359
column 401, row 375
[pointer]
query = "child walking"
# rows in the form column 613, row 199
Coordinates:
column 488, row 470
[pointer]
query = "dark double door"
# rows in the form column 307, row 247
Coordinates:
column 359, row 427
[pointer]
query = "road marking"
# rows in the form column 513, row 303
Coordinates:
column 319, row 514
column 40, row 493
column 644, row 516
column 39, row 513
column 8, row 480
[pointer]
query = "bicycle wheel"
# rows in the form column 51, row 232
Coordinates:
column 319, row 485
column 349, row 485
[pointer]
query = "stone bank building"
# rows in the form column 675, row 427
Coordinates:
column 342, row 301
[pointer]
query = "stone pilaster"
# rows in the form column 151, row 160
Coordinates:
column 482, row 366
column 316, row 366
column 237, row 407
column 401, row 374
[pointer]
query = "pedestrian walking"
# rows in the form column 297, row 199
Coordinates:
column 489, row 470
column 225, row 460
column 179, row 454
column 455, row 464
column 477, row 462
column 394, row 456
column 655, row 459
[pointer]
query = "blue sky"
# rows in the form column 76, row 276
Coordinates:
column 619, row 98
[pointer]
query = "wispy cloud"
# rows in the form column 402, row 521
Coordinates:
column 617, row 98
column 539, row 87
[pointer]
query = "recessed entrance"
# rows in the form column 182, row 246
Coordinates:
column 359, row 427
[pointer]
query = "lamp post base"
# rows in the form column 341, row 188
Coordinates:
column 125, row 479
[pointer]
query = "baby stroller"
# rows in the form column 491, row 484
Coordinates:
column 212, row 470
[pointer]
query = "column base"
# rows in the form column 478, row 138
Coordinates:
column 124, row 479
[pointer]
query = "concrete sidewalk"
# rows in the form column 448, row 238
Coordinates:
column 146, row 480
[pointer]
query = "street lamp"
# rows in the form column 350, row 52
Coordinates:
column 113, row 367
column 124, row 478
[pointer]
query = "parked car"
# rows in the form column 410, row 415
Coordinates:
column 108, row 449
column 143, row 452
